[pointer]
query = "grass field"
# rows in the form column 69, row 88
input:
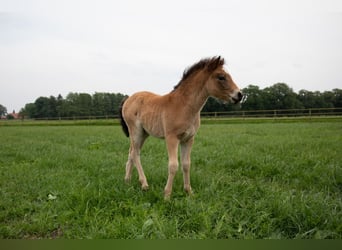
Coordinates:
column 251, row 180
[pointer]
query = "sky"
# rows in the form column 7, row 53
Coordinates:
column 52, row 47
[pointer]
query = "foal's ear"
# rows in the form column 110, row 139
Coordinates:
column 214, row 63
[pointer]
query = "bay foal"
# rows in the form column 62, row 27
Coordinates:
column 175, row 116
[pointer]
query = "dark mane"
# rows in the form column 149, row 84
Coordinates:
column 210, row 63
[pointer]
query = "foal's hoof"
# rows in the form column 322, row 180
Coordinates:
column 167, row 195
column 167, row 198
column 188, row 190
column 144, row 187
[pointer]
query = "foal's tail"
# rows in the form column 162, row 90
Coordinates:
column 122, row 120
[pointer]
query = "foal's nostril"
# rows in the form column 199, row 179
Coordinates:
column 238, row 97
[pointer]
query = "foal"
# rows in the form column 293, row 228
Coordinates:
column 175, row 116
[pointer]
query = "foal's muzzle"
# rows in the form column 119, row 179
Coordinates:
column 238, row 97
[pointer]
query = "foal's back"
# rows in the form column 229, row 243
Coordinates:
column 145, row 110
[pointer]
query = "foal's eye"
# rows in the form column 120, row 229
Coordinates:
column 221, row 78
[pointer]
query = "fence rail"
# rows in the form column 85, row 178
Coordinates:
column 276, row 113
column 86, row 117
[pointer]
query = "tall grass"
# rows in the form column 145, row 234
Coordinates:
column 264, row 180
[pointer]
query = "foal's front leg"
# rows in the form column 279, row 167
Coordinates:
column 186, row 161
column 172, row 149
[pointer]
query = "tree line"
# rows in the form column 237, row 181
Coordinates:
column 74, row 105
column 277, row 96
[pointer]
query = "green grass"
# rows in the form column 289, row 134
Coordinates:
column 251, row 180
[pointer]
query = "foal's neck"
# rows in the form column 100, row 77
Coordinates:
column 193, row 93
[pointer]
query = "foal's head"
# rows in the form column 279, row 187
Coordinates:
column 220, row 84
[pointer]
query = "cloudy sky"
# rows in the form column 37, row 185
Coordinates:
column 52, row 47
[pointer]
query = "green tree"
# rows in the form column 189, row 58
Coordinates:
column 84, row 104
column 107, row 103
column 99, row 104
column 329, row 99
column 29, row 111
column 255, row 98
column 59, row 104
column 69, row 107
column 315, row 99
column 280, row 96
column 115, row 102
column 338, row 98
column 42, row 107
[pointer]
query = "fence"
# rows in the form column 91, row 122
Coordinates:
column 276, row 113
column 87, row 117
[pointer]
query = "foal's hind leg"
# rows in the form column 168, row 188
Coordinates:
column 137, row 141
column 129, row 166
